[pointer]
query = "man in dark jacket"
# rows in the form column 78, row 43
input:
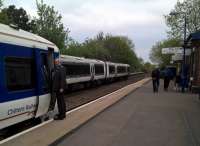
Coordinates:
column 155, row 79
column 167, row 77
column 59, row 84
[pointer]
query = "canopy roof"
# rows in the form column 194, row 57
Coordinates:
column 194, row 36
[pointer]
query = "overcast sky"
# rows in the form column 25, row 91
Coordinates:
column 140, row 20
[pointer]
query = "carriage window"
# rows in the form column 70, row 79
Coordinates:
column 111, row 69
column 77, row 69
column 45, row 72
column 99, row 69
column 128, row 69
column 19, row 73
column 121, row 69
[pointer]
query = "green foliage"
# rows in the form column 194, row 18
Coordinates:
column 121, row 49
column 18, row 17
column 4, row 18
column 1, row 3
column 156, row 55
column 191, row 9
column 49, row 25
column 107, row 48
column 147, row 67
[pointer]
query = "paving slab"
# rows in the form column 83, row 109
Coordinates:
column 143, row 118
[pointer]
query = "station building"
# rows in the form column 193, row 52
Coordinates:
column 193, row 41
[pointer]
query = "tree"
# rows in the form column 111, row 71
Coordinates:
column 3, row 16
column 1, row 3
column 121, row 49
column 156, row 55
column 147, row 67
column 191, row 9
column 49, row 25
column 18, row 17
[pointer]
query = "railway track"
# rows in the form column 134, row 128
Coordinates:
column 75, row 99
column 78, row 98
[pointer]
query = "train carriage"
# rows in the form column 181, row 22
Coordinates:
column 78, row 70
column 122, row 70
column 82, row 70
column 26, row 61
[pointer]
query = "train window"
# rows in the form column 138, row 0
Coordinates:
column 121, row 69
column 128, row 69
column 99, row 69
column 77, row 69
column 19, row 73
column 111, row 69
column 45, row 72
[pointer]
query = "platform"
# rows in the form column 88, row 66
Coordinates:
column 143, row 118
column 47, row 133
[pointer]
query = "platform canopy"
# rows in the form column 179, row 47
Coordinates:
column 194, row 36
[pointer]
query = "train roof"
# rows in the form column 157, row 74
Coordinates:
column 69, row 58
column 122, row 64
column 12, row 35
column 118, row 64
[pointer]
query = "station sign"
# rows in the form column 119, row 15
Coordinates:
column 177, row 57
column 187, row 52
column 176, row 50
column 172, row 50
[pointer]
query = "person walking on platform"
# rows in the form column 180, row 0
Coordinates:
column 167, row 78
column 59, row 84
column 155, row 79
column 177, row 82
column 184, row 78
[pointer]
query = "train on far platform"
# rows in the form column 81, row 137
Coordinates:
column 26, row 64
column 89, row 71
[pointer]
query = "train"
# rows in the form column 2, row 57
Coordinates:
column 83, row 70
column 26, row 64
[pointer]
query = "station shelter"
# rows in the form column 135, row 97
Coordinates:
column 193, row 43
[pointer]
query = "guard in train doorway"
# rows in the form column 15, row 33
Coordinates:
column 59, row 84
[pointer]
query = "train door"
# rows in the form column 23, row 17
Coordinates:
column 50, row 62
column 106, row 70
column 46, row 100
column 92, row 71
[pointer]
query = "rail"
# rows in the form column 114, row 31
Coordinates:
column 136, row 73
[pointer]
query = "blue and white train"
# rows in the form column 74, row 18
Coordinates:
column 26, row 63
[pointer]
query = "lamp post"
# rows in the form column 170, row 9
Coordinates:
column 185, row 35
column 184, row 46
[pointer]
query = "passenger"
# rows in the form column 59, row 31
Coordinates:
column 178, row 82
column 167, row 77
column 184, row 78
column 155, row 79
column 59, row 84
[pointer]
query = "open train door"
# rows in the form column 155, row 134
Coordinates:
column 50, row 59
column 46, row 100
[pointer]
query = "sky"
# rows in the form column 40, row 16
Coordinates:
column 140, row 20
